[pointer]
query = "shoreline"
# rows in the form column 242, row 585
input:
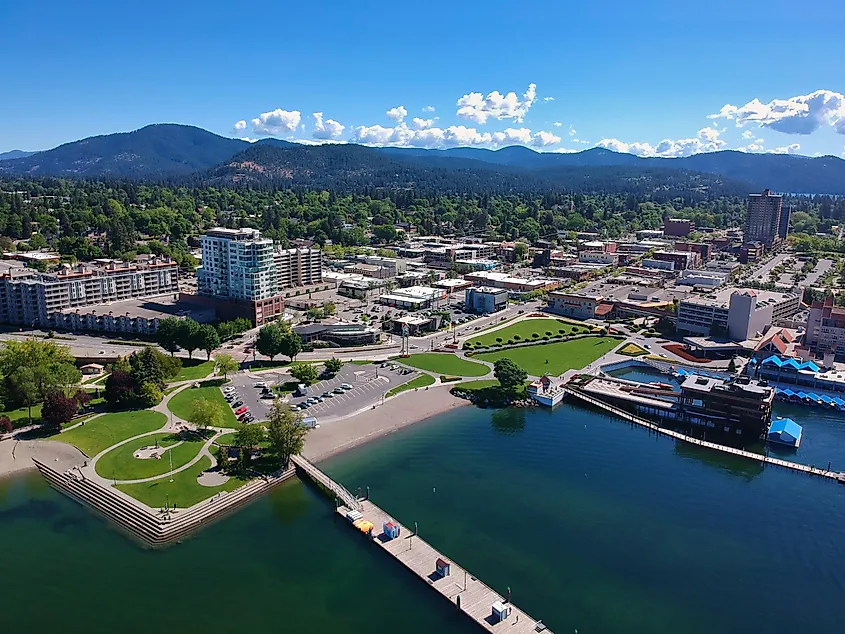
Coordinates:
column 403, row 410
column 330, row 439
column 16, row 455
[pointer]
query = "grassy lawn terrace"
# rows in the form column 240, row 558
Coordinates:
column 477, row 385
column 526, row 328
column 120, row 463
column 184, row 491
column 106, row 430
column 555, row 358
column 194, row 369
column 20, row 416
column 445, row 363
column 424, row 380
column 181, row 406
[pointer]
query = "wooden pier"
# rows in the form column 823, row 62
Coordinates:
column 464, row 591
column 832, row 475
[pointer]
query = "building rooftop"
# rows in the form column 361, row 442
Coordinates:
column 722, row 297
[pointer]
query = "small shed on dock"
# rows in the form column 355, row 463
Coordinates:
column 443, row 567
column 391, row 530
column 785, row 431
column 500, row 612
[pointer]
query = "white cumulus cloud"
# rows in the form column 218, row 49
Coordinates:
column 397, row 114
column 707, row 140
column 428, row 109
column 572, row 131
column 476, row 107
column 557, row 124
column 792, row 148
column 421, row 124
column 803, row 114
column 544, row 139
column 748, row 134
column 548, row 98
column 326, row 128
column 240, row 125
column 276, row 122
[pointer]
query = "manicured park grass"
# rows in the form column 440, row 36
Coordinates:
column 555, row 358
column 445, row 363
column 182, row 404
column 20, row 416
column 193, row 369
column 120, row 464
column 423, row 380
column 226, row 439
column 525, row 330
column 104, row 431
column 184, row 491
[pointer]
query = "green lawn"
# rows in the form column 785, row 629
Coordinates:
column 194, row 369
column 20, row 416
column 120, row 464
column 359, row 362
column 106, row 430
column 445, row 363
column 184, row 491
column 555, row 358
column 180, row 404
column 226, row 439
column 526, row 328
column 423, row 380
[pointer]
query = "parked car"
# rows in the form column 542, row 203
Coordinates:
column 345, row 386
column 268, row 394
column 259, row 384
column 244, row 416
column 303, row 406
column 237, row 404
column 338, row 390
column 241, row 410
column 318, row 399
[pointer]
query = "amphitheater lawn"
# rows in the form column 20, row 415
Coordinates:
column 121, row 464
column 525, row 328
column 181, row 404
column 561, row 356
column 445, row 363
column 104, row 431
column 184, row 491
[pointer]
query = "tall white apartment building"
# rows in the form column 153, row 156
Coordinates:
column 237, row 264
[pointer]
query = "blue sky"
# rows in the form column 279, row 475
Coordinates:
column 645, row 77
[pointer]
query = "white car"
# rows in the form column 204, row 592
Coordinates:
column 259, row 384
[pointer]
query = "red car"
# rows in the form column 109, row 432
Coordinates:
column 241, row 410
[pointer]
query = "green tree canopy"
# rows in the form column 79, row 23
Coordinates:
column 509, row 374
column 225, row 364
column 304, row 372
column 285, row 431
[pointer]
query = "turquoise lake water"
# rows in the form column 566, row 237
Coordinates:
column 594, row 525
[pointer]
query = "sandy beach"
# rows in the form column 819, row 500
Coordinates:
column 406, row 409
column 17, row 455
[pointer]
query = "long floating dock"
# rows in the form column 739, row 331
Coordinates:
column 822, row 473
column 460, row 587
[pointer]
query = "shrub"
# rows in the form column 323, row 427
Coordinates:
column 517, row 337
column 150, row 395
column 535, row 335
column 5, row 424
column 498, row 340
column 546, row 337
column 548, row 333
column 449, row 379
column 562, row 331
column 510, row 342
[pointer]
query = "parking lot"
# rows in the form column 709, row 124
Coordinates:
column 369, row 384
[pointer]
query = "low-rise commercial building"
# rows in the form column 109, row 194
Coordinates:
column 485, row 299
column 695, row 277
column 604, row 258
column 515, row 284
column 681, row 259
column 826, row 328
column 338, row 334
column 413, row 297
column 575, row 305
column 736, row 313
column 678, row 227
column 741, row 406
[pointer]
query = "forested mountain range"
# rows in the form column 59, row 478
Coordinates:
column 14, row 154
column 180, row 154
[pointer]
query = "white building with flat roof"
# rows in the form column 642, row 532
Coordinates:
column 736, row 313
column 237, row 264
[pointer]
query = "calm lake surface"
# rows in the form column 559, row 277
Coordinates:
column 594, row 525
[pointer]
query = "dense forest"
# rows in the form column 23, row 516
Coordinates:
column 89, row 219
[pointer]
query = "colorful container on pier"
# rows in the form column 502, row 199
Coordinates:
column 391, row 530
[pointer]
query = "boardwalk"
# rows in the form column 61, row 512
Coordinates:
column 476, row 598
column 338, row 490
column 833, row 475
